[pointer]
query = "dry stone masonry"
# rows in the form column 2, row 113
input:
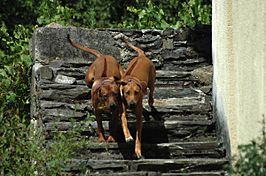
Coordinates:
column 179, row 135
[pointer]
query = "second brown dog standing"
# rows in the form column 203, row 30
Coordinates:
column 139, row 76
column 103, row 76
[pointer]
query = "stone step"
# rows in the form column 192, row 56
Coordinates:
column 62, row 114
column 192, row 108
column 147, row 173
column 162, row 166
column 153, row 131
column 79, row 72
column 121, row 150
column 177, row 95
column 215, row 173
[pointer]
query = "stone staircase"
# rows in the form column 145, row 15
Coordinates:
column 179, row 135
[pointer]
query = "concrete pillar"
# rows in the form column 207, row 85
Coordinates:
column 239, row 61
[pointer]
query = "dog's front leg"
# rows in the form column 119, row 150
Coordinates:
column 113, row 126
column 138, row 131
column 126, row 131
column 100, row 130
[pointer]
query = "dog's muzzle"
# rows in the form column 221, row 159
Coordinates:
column 112, row 106
column 132, row 105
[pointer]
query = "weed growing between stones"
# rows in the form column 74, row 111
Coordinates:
column 251, row 159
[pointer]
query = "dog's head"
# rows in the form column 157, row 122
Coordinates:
column 133, row 91
column 106, row 94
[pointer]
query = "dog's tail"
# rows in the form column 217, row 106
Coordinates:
column 89, row 50
column 140, row 51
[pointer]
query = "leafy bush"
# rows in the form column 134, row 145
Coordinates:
column 15, row 12
column 23, row 150
column 152, row 14
column 148, row 16
column 14, row 99
column 251, row 159
column 14, row 75
column 57, row 154
column 79, row 13
column 111, row 13
column 194, row 12
column 135, row 14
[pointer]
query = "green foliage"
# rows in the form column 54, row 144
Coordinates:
column 24, row 150
column 164, row 15
column 111, row 13
column 148, row 16
column 170, row 8
column 52, row 11
column 194, row 12
column 14, row 97
column 14, row 70
column 252, row 158
column 17, row 12
column 79, row 13
column 58, row 153
column 137, row 14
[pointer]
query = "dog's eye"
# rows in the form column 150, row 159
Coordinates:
column 136, row 92
column 115, row 94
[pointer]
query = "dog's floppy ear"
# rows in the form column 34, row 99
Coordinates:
column 94, row 92
column 143, row 86
column 96, row 84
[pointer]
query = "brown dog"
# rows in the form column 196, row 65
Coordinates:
column 103, row 76
column 139, row 75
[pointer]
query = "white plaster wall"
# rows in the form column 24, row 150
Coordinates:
column 239, row 58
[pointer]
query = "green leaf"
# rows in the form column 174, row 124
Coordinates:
column 26, row 59
column 11, row 97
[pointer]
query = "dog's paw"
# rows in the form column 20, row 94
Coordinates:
column 138, row 157
column 129, row 139
column 101, row 140
column 110, row 139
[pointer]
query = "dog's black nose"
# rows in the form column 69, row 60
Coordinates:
column 112, row 106
column 132, row 105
